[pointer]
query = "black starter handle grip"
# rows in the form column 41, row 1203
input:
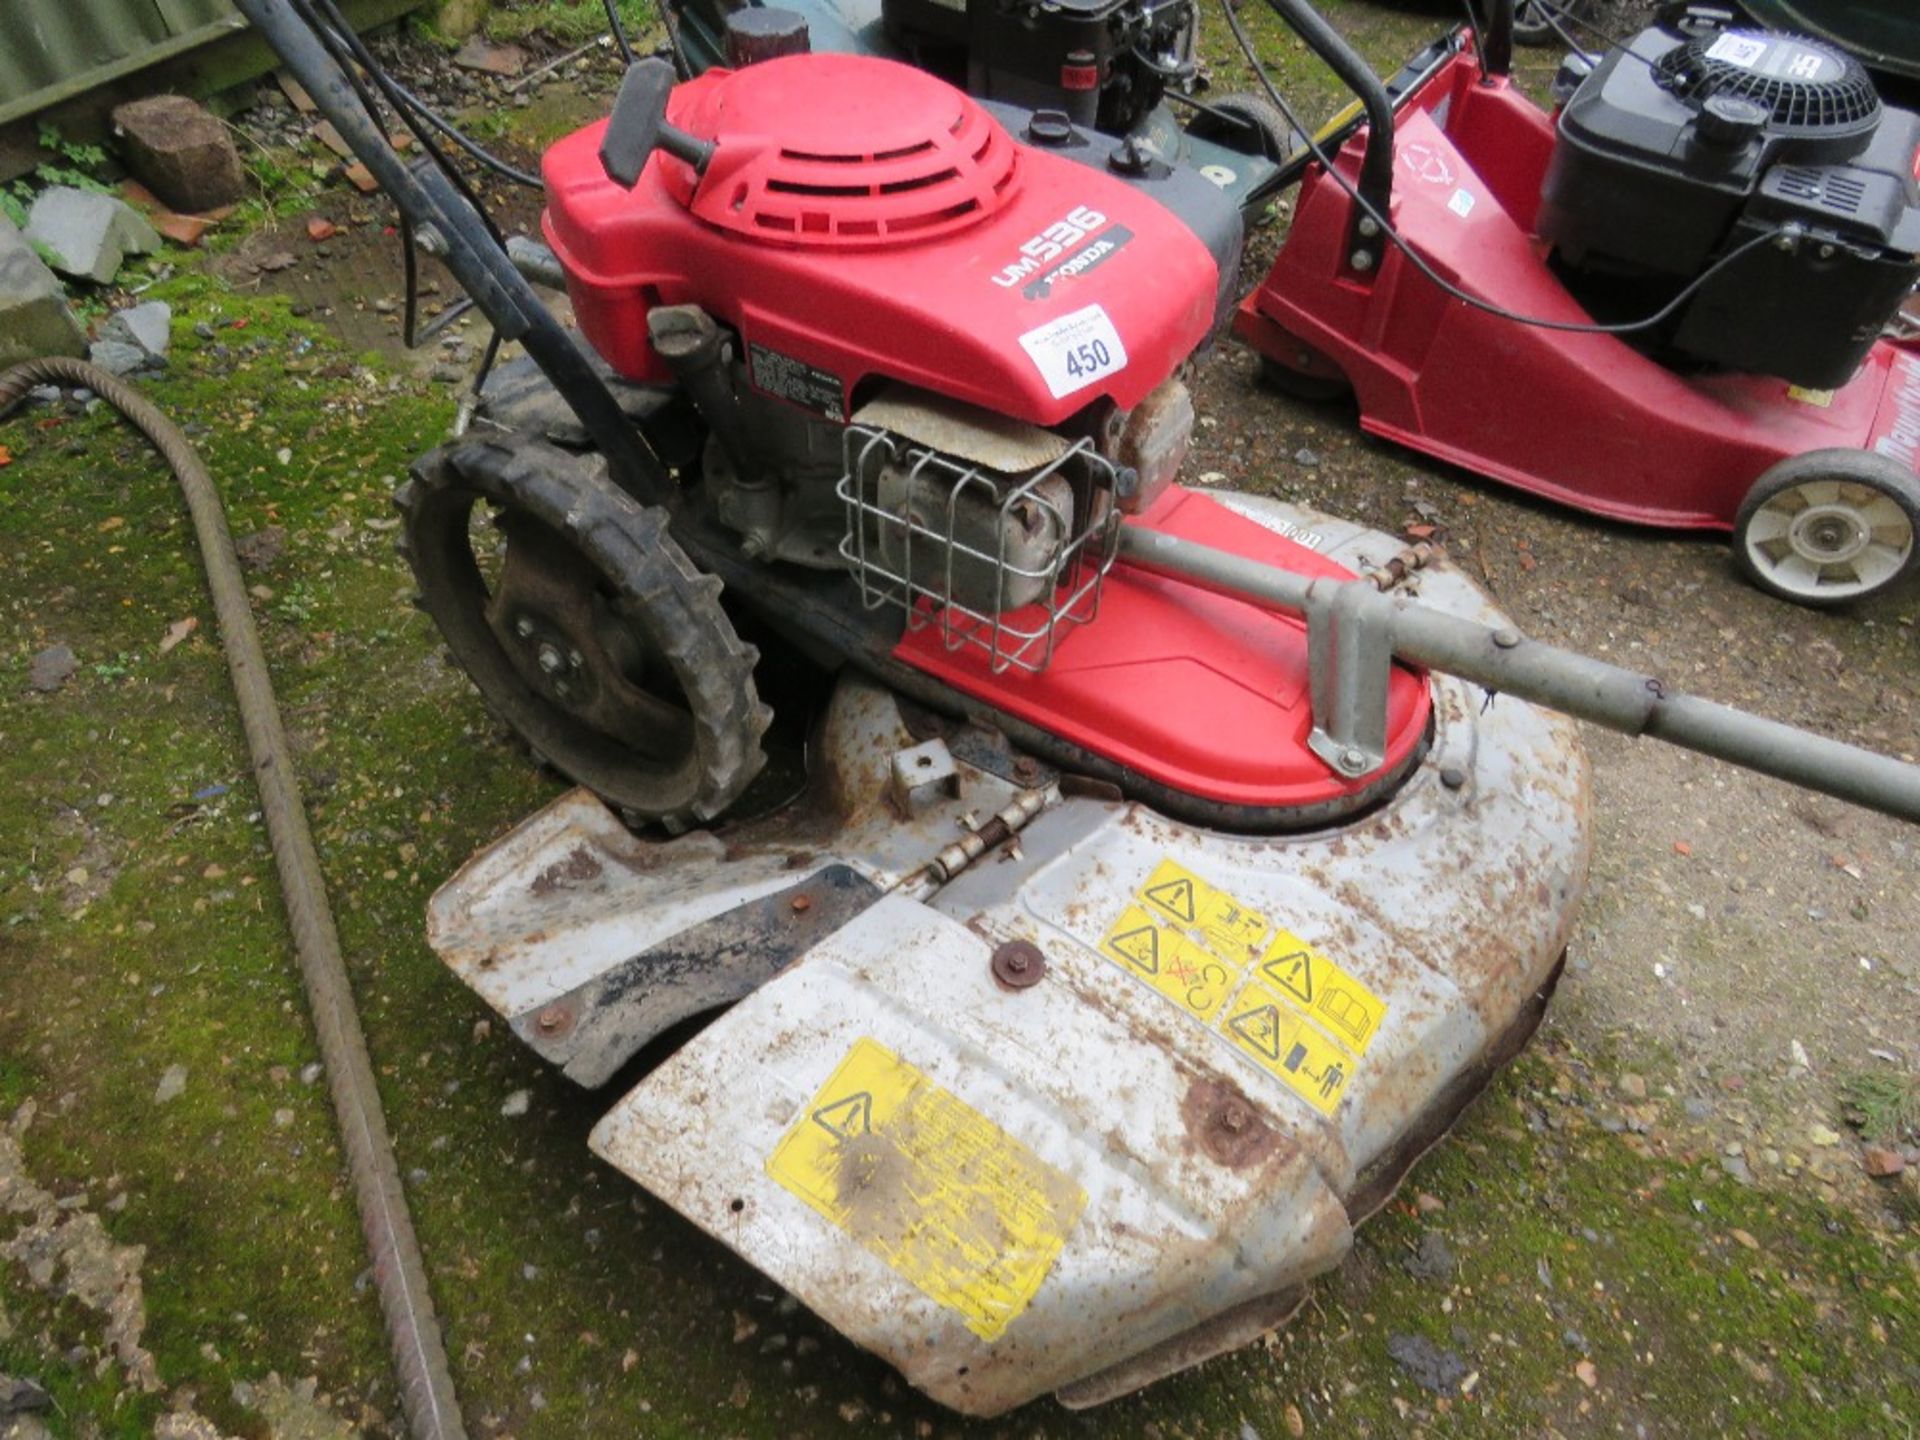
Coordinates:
column 638, row 126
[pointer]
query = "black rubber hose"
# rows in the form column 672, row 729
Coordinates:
column 399, row 1275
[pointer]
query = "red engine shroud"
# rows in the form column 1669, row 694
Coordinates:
column 862, row 219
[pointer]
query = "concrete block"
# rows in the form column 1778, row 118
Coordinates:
column 180, row 152
column 87, row 233
column 148, row 327
column 117, row 357
column 34, row 318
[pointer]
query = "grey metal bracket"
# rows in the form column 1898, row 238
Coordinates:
column 1350, row 666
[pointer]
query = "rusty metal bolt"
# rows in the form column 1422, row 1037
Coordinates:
column 1026, row 768
column 1234, row 1117
column 552, row 1020
column 800, row 904
column 1018, row 964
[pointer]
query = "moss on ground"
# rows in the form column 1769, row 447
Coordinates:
column 1605, row 1283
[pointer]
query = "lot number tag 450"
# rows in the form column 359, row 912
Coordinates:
column 1075, row 350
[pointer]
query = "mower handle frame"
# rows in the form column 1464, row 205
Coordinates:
column 1366, row 229
column 427, row 198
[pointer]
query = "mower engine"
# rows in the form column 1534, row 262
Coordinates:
column 880, row 300
column 1105, row 62
column 1692, row 142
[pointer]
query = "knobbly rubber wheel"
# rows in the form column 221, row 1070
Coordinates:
column 1829, row 527
column 585, row 627
column 1251, row 124
column 1530, row 23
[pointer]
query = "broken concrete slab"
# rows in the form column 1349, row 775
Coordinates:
column 180, row 152
column 34, row 318
column 149, row 327
column 87, row 234
column 479, row 54
column 117, row 357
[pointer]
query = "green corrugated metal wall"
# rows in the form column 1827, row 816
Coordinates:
column 51, row 49
column 55, row 50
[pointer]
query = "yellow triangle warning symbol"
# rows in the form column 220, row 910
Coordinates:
column 1293, row 973
column 849, row 1119
column 1175, row 897
column 1139, row 948
column 1259, row 1028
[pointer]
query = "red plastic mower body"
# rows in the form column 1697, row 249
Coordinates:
column 861, row 220
column 860, row 223
column 1583, row 419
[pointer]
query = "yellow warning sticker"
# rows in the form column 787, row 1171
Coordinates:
column 1316, row 986
column 1272, row 1033
column 1231, row 930
column 1194, row 979
column 967, row 1215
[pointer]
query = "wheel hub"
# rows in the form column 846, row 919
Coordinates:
column 1829, row 534
column 549, row 657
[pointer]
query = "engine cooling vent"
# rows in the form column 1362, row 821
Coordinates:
column 845, row 151
column 1807, row 88
column 1835, row 193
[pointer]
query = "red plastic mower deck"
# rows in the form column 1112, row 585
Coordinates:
column 1197, row 691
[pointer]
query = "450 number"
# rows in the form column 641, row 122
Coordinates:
column 1088, row 359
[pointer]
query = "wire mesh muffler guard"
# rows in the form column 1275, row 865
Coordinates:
column 920, row 555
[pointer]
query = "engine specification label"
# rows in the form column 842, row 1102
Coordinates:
column 1278, row 1000
column 1075, row 350
column 965, row 1213
column 797, row 382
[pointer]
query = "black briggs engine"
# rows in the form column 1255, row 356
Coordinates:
column 1105, row 62
column 1690, row 142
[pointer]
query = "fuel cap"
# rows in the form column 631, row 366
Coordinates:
column 1051, row 127
column 1728, row 121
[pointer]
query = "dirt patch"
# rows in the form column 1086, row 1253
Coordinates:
column 64, row 1250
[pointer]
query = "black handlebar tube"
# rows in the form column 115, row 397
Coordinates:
column 1496, row 38
column 1366, row 241
column 426, row 196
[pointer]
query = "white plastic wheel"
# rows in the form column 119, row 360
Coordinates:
column 1829, row 527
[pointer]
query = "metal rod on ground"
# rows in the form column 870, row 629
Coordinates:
column 1505, row 661
column 399, row 1274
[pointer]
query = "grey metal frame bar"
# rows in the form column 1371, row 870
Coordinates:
column 1355, row 631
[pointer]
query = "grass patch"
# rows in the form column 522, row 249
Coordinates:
column 574, row 21
column 1883, row 1105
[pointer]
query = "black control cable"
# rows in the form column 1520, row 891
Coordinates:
column 1789, row 232
column 618, row 31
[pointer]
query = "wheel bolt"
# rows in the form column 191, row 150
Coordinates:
column 550, row 659
column 523, row 627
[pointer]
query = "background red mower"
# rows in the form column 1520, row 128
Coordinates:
column 1745, row 198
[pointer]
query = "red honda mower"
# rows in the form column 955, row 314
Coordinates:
column 1701, row 249
column 1154, row 884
